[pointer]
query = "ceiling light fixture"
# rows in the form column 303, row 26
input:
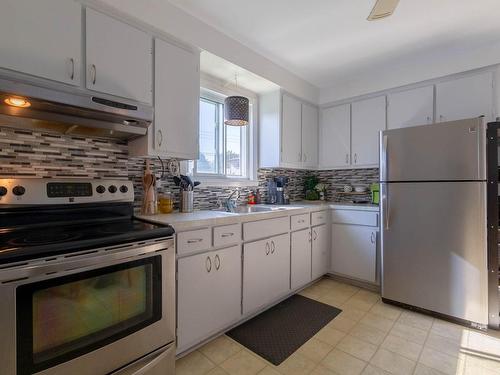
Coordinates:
column 382, row 9
column 236, row 109
column 16, row 101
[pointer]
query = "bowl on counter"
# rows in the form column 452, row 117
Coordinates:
column 360, row 189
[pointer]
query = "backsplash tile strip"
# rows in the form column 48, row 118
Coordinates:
column 38, row 154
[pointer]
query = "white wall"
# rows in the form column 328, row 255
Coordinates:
column 400, row 73
column 170, row 19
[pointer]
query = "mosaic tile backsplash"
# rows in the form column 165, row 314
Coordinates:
column 32, row 154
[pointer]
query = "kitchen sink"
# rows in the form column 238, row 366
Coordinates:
column 255, row 209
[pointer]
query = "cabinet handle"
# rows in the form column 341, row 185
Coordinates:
column 428, row 119
column 355, row 158
column 72, row 75
column 301, row 221
column 94, row 74
column 441, row 117
column 224, row 235
column 217, row 262
column 372, row 238
column 315, row 235
column 268, row 249
column 310, row 236
column 208, row 264
column 160, row 137
column 195, row 240
column 273, row 247
column 347, row 158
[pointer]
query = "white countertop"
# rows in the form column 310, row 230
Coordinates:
column 185, row 221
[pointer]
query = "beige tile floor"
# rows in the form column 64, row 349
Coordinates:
column 368, row 337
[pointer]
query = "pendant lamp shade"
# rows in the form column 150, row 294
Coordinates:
column 236, row 109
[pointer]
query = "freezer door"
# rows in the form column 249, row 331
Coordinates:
column 434, row 252
column 442, row 152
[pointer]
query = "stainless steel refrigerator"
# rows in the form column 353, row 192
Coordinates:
column 433, row 218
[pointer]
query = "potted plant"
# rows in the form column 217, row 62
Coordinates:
column 310, row 183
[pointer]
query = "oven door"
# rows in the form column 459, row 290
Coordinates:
column 91, row 313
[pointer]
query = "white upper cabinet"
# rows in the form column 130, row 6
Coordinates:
column 309, row 135
column 368, row 118
column 119, row 58
column 177, row 97
column 410, row 108
column 335, row 136
column 42, row 38
column 291, row 138
column 467, row 97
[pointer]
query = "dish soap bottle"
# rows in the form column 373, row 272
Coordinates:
column 251, row 198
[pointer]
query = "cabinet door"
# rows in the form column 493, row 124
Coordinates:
column 354, row 250
column 335, row 136
column 466, row 97
column 177, row 98
column 209, row 294
column 291, row 131
column 42, row 38
column 410, row 108
column 300, row 258
column 309, row 135
column 320, row 251
column 266, row 271
column 279, row 266
column 368, row 118
column 119, row 58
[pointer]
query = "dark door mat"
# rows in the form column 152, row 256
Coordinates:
column 278, row 332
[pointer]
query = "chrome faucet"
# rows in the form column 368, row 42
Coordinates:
column 229, row 203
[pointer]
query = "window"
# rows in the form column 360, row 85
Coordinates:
column 225, row 151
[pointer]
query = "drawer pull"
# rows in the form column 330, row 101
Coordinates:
column 273, row 247
column 208, row 264
column 315, row 235
column 195, row 240
column 268, row 249
column 301, row 221
column 372, row 237
column 225, row 235
column 217, row 262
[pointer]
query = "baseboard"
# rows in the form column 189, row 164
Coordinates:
column 360, row 284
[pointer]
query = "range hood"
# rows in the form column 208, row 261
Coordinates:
column 71, row 110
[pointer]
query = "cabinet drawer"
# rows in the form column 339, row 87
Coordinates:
column 318, row 218
column 193, row 240
column 265, row 228
column 355, row 217
column 299, row 221
column 227, row 234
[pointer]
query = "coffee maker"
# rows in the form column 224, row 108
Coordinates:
column 277, row 192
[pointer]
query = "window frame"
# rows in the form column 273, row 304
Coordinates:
column 248, row 143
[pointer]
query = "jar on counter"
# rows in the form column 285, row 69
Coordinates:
column 165, row 203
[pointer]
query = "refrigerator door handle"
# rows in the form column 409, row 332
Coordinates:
column 385, row 206
column 383, row 159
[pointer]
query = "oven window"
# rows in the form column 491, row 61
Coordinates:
column 62, row 318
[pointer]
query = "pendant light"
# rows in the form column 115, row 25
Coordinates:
column 236, row 109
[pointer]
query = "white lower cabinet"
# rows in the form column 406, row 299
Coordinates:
column 266, row 271
column 209, row 294
column 354, row 251
column 320, row 254
column 300, row 258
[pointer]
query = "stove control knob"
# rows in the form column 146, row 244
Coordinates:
column 123, row 189
column 18, row 190
column 100, row 189
column 3, row 191
column 112, row 189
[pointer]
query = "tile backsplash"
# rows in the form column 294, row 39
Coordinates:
column 31, row 154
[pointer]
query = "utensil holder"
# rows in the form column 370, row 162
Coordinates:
column 187, row 201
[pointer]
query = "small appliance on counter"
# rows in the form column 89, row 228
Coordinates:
column 277, row 191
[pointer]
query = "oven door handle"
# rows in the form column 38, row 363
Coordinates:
column 91, row 259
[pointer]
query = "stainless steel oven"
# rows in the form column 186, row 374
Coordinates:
column 98, row 311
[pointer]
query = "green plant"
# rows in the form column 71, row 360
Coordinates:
column 310, row 183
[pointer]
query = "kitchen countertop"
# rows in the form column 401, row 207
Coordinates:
column 196, row 219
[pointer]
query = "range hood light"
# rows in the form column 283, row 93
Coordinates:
column 17, row 102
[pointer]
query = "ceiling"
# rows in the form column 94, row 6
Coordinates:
column 226, row 71
column 324, row 41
